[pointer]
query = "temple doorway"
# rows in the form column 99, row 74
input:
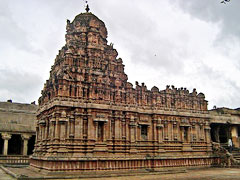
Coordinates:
column 31, row 143
column 220, row 133
column 223, row 134
column 100, row 130
column 185, row 134
column 1, row 144
column 15, row 145
column 214, row 132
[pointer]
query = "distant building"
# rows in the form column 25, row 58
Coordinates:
column 17, row 131
column 225, row 124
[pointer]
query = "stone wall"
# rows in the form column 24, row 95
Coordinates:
column 17, row 126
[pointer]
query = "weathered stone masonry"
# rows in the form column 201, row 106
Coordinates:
column 17, row 132
column 92, row 118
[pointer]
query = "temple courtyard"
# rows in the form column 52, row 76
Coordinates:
column 180, row 174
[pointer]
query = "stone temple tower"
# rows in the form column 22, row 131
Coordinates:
column 91, row 118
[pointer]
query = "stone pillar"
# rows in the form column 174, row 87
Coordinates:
column 78, row 128
column 62, row 128
column 71, row 126
column 207, row 134
column 175, row 131
column 182, row 133
column 53, row 128
column 90, row 126
column 57, row 131
column 96, row 130
column 160, row 133
column 117, row 128
column 235, row 136
column 202, row 133
column 105, row 131
column 6, row 137
column 154, row 134
column 165, row 129
column 132, row 127
column 189, row 131
column 160, row 138
column 124, row 128
column 25, row 138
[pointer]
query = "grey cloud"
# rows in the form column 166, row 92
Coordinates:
column 10, row 32
column 19, row 86
column 219, row 89
column 214, row 11
column 132, row 31
column 137, row 33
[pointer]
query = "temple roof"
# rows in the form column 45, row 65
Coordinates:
column 90, row 21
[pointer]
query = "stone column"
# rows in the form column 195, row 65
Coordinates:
column 132, row 127
column 165, row 128
column 71, row 126
column 25, row 138
column 160, row 133
column 117, row 129
column 182, row 133
column 207, row 134
column 105, row 131
column 53, row 128
column 57, row 130
column 154, row 134
column 78, row 126
column 235, row 136
column 6, row 137
column 174, row 130
column 90, row 126
column 96, row 130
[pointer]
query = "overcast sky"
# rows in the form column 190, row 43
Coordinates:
column 185, row 43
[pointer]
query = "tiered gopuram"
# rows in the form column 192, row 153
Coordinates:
column 92, row 118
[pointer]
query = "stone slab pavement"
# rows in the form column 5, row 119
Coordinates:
column 193, row 174
column 197, row 174
column 4, row 176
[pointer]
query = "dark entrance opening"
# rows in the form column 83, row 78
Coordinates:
column 100, row 131
column 15, row 145
column 1, row 144
column 214, row 132
column 223, row 134
column 31, row 143
column 144, row 132
column 185, row 134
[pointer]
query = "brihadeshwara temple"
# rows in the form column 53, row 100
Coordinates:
column 91, row 118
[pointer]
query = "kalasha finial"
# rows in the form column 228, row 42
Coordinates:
column 87, row 7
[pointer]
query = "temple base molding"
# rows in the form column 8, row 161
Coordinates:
column 107, row 164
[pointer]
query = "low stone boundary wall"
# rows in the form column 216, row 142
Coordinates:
column 14, row 159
